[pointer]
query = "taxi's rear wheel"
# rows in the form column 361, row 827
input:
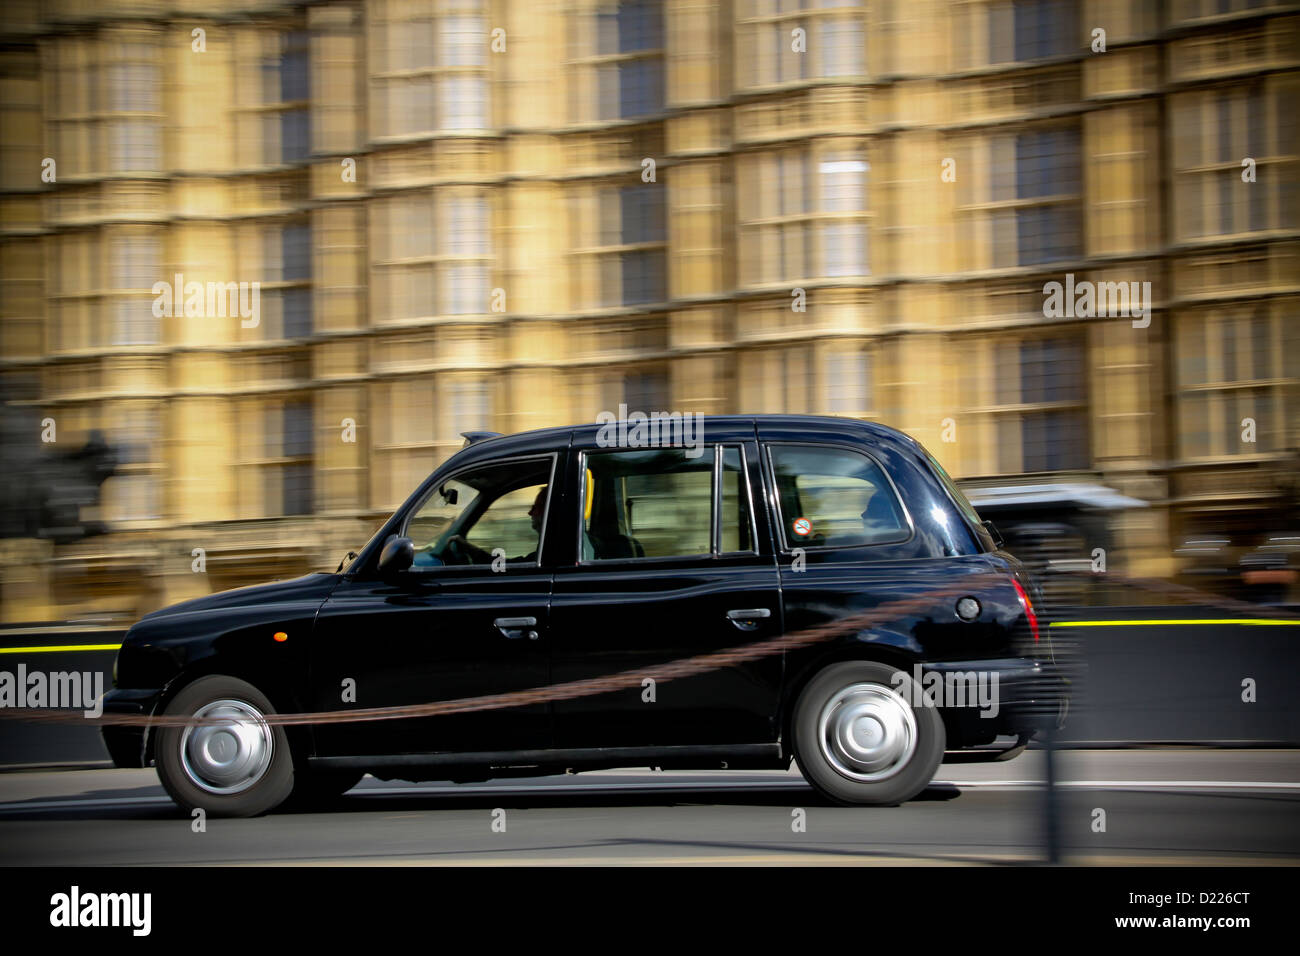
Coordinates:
column 236, row 766
column 863, row 736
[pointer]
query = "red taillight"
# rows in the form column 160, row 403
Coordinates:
column 1028, row 606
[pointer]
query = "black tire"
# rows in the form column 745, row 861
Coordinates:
column 317, row 789
column 899, row 780
column 257, row 796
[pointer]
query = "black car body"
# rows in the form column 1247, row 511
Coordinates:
column 640, row 555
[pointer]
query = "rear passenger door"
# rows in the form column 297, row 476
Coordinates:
column 851, row 535
column 671, row 561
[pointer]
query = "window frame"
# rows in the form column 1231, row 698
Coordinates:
column 715, row 508
column 782, row 539
column 719, row 451
column 401, row 531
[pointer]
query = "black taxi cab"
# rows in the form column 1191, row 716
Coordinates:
column 549, row 558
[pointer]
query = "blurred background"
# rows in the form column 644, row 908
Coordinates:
column 508, row 214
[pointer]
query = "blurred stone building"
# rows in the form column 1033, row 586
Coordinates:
column 506, row 214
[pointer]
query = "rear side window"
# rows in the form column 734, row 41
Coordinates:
column 835, row 498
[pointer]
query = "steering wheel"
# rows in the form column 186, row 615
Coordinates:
column 453, row 553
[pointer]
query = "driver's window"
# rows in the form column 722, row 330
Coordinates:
column 495, row 511
column 508, row 523
column 438, row 513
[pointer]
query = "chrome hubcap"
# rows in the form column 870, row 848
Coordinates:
column 867, row 732
column 231, row 756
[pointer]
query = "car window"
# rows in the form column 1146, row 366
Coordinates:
column 958, row 496
column 647, row 504
column 439, row 510
column 659, row 504
column 492, row 511
column 834, row 497
column 507, row 524
column 735, row 530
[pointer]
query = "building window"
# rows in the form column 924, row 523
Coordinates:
column 283, row 106
column 1231, row 367
column 283, row 259
column 1183, row 10
column 1039, row 414
column 134, row 115
column 778, row 380
column 133, row 146
column 1213, row 132
column 1028, row 202
column 432, row 71
column 1032, row 29
column 296, row 310
column 295, row 92
column 136, row 266
column 469, row 407
column 847, row 388
column 277, row 446
column 406, row 263
column 295, row 243
column 617, row 63
column 767, row 54
column 803, row 214
column 108, row 117
column 620, row 255
column 296, row 475
column 465, row 246
column 840, row 46
column 646, row 390
column 843, row 186
column 433, row 254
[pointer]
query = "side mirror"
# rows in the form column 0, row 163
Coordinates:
column 398, row 555
column 997, row 535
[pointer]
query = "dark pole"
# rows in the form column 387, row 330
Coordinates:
column 1052, row 809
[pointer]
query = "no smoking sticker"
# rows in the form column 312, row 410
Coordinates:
column 802, row 526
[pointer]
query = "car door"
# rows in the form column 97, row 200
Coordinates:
column 854, row 530
column 669, row 563
column 447, row 628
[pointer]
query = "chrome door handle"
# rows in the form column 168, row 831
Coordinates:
column 513, row 628
column 746, row 619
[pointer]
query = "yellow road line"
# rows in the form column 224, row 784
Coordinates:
column 49, row 648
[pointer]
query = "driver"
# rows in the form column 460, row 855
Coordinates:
column 478, row 556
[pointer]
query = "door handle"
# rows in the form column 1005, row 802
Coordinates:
column 513, row 628
column 746, row 619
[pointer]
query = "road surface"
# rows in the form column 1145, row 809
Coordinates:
column 1175, row 806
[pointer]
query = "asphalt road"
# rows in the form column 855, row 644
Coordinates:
column 1176, row 806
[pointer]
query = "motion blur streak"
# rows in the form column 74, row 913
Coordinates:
column 503, row 216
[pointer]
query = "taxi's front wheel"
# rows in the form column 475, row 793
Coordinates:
column 237, row 765
column 864, row 735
